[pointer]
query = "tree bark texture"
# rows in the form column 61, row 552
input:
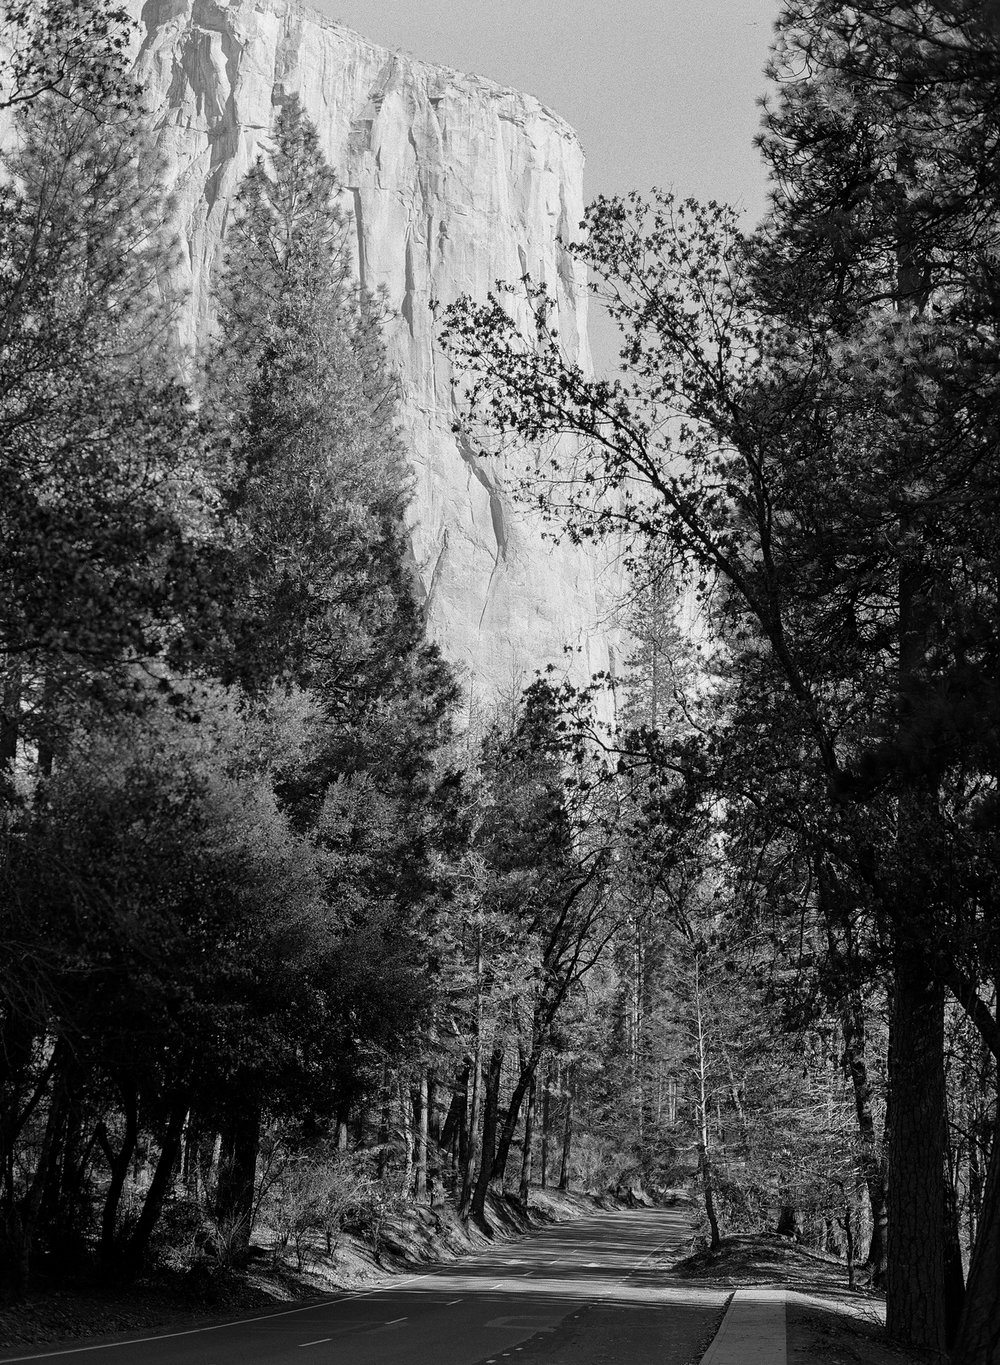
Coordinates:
column 852, row 1023
column 118, row 1164
column 470, row 1157
column 567, row 1144
column 491, row 1115
column 420, row 1162
column 529, row 1136
column 159, row 1187
column 546, row 1126
column 915, row 1275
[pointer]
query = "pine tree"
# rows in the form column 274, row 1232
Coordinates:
column 106, row 499
column 300, row 378
column 324, row 599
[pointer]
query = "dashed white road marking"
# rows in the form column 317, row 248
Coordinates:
column 318, row 1342
column 216, row 1326
column 393, row 1321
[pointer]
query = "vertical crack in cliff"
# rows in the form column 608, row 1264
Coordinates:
column 409, row 286
column 359, row 228
column 212, row 84
column 360, row 139
column 383, row 80
column 439, row 562
column 286, row 57
column 424, row 586
column 497, row 518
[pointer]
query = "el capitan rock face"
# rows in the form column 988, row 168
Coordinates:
column 454, row 182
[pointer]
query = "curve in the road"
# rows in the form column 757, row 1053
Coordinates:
column 595, row 1290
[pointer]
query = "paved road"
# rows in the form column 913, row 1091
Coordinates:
column 591, row 1292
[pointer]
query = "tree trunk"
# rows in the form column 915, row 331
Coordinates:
column 852, row 1270
column 789, row 1222
column 851, row 1010
column 702, row 1102
column 23, row 1214
column 469, row 1159
column 158, row 1189
column 234, row 1201
column 118, row 1163
column 978, row 1341
column 915, row 1276
column 20, row 1215
column 454, row 1134
column 567, row 1145
column 470, row 1156
column 341, row 1136
column 420, row 1163
column 852, row 1023
column 434, row 1160
column 529, row 1137
column 406, row 1131
column 491, row 1114
column 524, row 1084
column 385, row 1125
column 546, row 1124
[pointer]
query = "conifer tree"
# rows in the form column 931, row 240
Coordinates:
column 106, row 500
column 324, row 601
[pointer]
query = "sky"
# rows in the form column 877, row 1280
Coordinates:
column 661, row 92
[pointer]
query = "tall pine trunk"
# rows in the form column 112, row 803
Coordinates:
column 491, row 1114
column 567, row 1144
column 872, row 1161
column 469, row 1157
column 546, row 1124
column 420, row 1162
column 916, row 1312
column 524, row 1188
column 705, row 1167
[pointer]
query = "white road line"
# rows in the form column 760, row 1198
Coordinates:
column 452, row 1303
column 318, row 1342
column 216, row 1326
column 392, row 1321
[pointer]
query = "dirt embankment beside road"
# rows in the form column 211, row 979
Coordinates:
column 56, row 1312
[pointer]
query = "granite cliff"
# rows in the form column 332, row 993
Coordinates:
column 454, row 182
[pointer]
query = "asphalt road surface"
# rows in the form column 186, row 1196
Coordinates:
column 592, row 1292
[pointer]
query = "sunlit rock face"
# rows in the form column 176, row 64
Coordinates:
column 454, row 182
